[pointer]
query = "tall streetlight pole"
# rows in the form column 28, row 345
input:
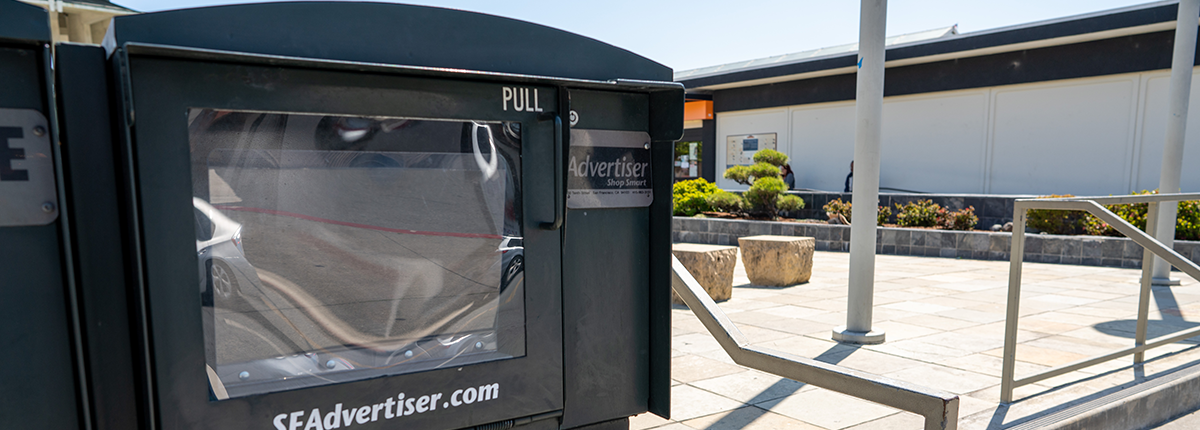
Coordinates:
column 868, row 105
column 1172, row 165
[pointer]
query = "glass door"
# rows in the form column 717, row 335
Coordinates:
column 344, row 246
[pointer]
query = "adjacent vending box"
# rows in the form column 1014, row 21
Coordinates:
column 40, row 385
column 378, row 216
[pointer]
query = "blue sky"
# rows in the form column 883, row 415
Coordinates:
column 698, row 33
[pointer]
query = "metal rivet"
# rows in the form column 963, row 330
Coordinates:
column 330, row 364
column 39, row 131
column 48, row 207
column 244, row 375
column 408, row 354
column 478, row 345
column 647, row 145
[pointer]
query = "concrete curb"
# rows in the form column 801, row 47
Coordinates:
column 1138, row 406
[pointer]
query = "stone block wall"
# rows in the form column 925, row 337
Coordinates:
column 976, row 245
column 991, row 209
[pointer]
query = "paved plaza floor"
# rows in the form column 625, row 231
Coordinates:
column 944, row 320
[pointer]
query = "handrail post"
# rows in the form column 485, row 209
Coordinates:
column 1153, row 248
column 1148, row 266
column 1016, row 254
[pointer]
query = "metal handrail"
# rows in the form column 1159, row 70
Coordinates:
column 1152, row 248
column 939, row 408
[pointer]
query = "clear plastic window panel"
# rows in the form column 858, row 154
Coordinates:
column 338, row 248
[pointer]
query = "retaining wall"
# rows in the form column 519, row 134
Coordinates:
column 976, row 245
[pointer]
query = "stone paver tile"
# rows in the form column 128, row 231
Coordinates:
column 695, row 342
column 895, row 330
column 831, row 319
column 809, row 347
column 787, row 325
column 1094, row 312
column 937, row 322
column 897, row 421
column 932, row 291
column 827, row 409
column 1115, row 338
column 753, row 293
column 965, row 340
column 973, row 315
column 837, row 304
column 889, row 314
column 917, row 350
column 990, row 365
column 874, row 362
column 953, row 302
column 691, row 368
column 1076, row 345
column 748, row 418
column 689, row 402
column 687, row 321
column 1043, row 326
column 996, row 330
column 759, row 334
column 956, row 381
column 1098, row 295
column 647, row 421
column 789, row 311
column 751, row 387
column 746, row 304
column 674, row 426
column 903, row 295
column 1065, row 318
column 1042, row 356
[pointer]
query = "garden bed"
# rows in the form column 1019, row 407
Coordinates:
column 977, row 245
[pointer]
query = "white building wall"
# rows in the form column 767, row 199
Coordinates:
column 1090, row 136
column 757, row 121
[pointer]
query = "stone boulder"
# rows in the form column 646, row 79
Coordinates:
column 777, row 261
column 711, row 265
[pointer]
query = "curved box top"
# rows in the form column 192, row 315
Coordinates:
column 20, row 21
column 388, row 34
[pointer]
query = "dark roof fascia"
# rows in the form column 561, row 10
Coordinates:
column 23, row 22
column 1151, row 14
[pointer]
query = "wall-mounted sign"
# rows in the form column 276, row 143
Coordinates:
column 27, row 193
column 609, row 169
column 739, row 150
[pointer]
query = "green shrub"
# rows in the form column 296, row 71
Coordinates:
column 688, row 197
column 921, row 213
column 724, row 201
column 770, row 156
column 1056, row 221
column 1187, row 223
column 884, row 213
column 764, row 180
column 789, row 203
column 761, row 196
column 746, row 175
column 964, row 219
column 838, row 207
column 1187, row 219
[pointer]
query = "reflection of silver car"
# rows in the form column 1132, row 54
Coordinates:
column 224, row 270
column 512, row 259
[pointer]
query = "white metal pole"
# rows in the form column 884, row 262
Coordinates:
column 872, row 27
column 1180, row 91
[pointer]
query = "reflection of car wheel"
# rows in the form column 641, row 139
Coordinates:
column 221, row 279
column 514, row 267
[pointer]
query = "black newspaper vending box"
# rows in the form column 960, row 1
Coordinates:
column 39, row 388
column 370, row 215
